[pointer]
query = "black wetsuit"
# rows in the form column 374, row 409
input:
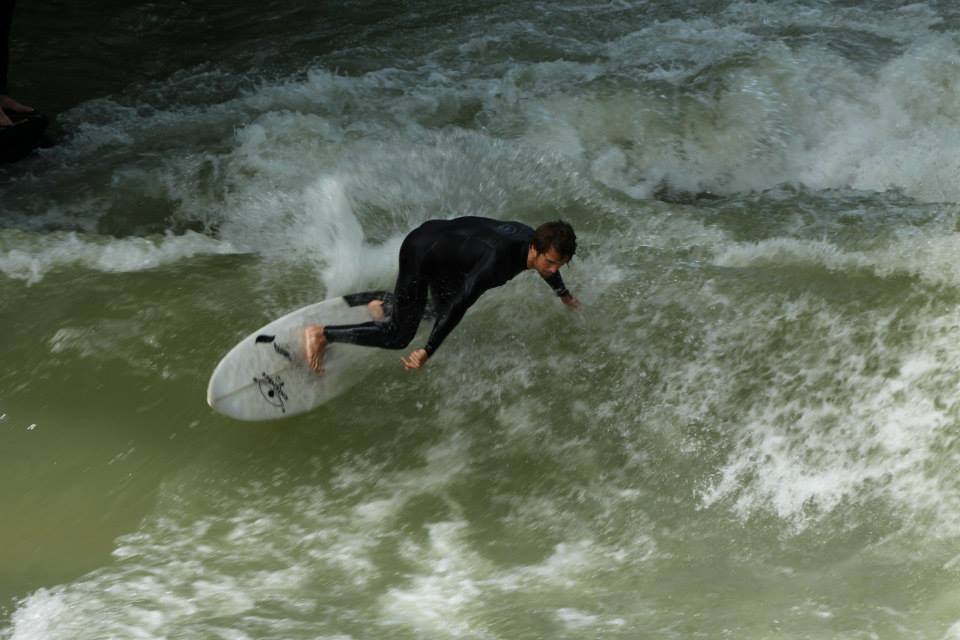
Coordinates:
column 456, row 261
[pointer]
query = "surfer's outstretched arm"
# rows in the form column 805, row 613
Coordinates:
column 555, row 280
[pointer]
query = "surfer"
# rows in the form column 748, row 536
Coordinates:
column 456, row 261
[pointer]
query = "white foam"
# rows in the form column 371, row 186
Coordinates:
column 575, row 619
column 902, row 130
column 953, row 633
column 788, row 115
column 44, row 616
column 438, row 600
column 928, row 254
column 828, row 429
column 254, row 554
column 29, row 257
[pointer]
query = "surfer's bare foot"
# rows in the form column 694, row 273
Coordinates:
column 376, row 309
column 315, row 343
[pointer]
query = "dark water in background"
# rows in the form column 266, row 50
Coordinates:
column 750, row 431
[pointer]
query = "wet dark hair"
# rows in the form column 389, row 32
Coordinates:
column 557, row 235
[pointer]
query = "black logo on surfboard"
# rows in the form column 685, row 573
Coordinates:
column 271, row 388
column 265, row 339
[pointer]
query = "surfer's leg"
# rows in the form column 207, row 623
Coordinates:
column 379, row 303
column 400, row 326
column 408, row 302
column 383, row 303
column 366, row 297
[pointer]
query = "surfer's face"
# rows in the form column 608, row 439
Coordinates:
column 548, row 262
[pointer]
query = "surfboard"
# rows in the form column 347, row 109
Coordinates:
column 266, row 375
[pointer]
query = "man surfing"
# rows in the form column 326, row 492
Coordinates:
column 455, row 261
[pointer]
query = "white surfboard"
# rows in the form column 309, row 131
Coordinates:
column 266, row 376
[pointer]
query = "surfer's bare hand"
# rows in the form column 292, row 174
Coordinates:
column 570, row 301
column 416, row 359
column 315, row 342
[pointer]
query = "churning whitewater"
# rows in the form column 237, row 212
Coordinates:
column 750, row 429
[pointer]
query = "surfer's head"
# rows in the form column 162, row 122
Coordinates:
column 557, row 235
column 553, row 244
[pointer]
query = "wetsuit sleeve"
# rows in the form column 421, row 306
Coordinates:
column 476, row 282
column 556, row 283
